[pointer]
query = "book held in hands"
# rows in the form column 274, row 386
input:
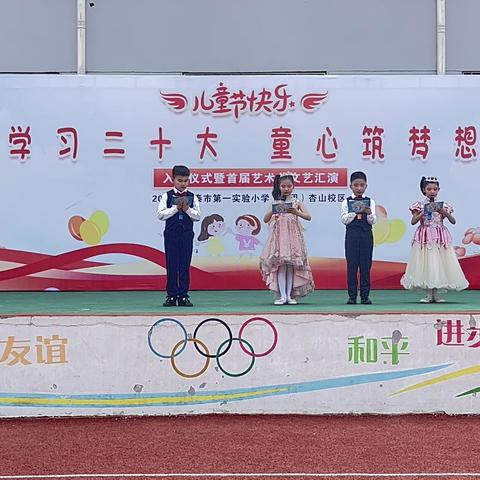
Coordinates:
column 177, row 200
column 281, row 207
column 431, row 207
column 358, row 205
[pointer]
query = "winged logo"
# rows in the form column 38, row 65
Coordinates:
column 175, row 101
column 311, row 101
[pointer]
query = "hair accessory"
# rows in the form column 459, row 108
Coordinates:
column 431, row 179
column 285, row 174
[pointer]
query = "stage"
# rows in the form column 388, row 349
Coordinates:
column 257, row 302
column 123, row 353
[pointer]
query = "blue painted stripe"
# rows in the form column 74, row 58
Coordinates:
column 255, row 392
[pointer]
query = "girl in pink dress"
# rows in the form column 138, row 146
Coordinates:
column 433, row 264
column 284, row 260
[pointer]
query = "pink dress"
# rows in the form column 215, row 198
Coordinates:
column 286, row 246
column 433, row 262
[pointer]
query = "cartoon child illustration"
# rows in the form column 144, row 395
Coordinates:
column 212, row 231
column 247, row 227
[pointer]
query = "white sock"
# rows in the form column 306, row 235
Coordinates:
column 282, row 281
column 289, row 281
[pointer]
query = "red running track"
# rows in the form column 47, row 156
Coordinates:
column 241, row 444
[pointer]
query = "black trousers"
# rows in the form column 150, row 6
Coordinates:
column 178, row 253
column 358, row 252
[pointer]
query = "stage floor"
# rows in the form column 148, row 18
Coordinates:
column 224, row 302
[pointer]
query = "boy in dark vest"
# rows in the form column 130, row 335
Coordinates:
column 358, row 215
column 179, row 208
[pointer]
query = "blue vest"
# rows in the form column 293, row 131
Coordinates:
column 175, row 222
column 359, row 224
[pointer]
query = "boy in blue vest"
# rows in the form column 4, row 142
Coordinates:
column 179, row 208
column 358, row 237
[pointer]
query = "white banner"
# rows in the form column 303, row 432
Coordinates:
column 85, row 160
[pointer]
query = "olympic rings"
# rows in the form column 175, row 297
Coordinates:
column 230, row 336
column 192, row 375
column 158, row 322
column 275, row 337
column 203, row 350
column 251, row 353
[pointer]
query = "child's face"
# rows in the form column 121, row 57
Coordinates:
column 286, row 187
column 431, row 190
column 358, row 187
column 181, row 182
column 244, row 227
column 216, row 228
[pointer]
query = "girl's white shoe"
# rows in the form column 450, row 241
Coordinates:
column 436, row 298
column 429, row 298
column 291, row 301
column 280, row 301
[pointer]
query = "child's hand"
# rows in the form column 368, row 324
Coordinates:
column 367, row 210
column 185, row 206
column 293, row 210
column 442, row 212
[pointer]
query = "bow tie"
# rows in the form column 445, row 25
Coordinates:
column 181, row 194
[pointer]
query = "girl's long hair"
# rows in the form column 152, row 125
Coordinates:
column 206, row 222
column 253, row 221
column 276, row 193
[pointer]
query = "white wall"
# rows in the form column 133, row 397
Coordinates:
column 313, row 367
column 160, row 36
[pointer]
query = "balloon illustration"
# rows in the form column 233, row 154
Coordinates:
column 397, row 231
column 74, row 226
column 100, row 219
column 385, row 230
column 89, row 231
column 381, row 229
column 472, row 235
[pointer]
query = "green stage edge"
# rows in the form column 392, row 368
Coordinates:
column 225, row 302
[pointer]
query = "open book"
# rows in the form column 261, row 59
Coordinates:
column 188, row 199
column 358, row 205
column 281, row 207
column 430, row 207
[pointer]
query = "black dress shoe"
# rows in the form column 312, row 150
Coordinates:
column 170, row 302
column 184, row 302
column 366, row 301
column 351, row 301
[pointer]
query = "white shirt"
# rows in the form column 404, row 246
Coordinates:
column 165, row 213
column 349, row 217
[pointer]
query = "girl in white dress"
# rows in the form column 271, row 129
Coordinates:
column 433, row 264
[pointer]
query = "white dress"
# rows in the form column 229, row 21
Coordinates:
column 433, row 262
